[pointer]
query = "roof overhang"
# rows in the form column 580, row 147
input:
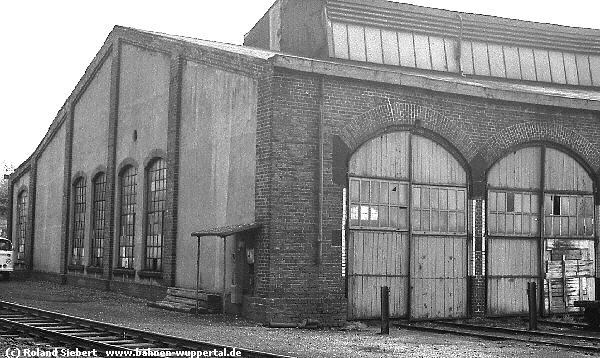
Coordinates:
column 224, row 231
column 500, row 90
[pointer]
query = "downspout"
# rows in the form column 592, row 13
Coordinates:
column 320, row 204
column 459, row 45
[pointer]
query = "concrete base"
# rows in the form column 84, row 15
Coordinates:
column 135, row 289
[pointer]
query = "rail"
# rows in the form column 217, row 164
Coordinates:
column 80, row 333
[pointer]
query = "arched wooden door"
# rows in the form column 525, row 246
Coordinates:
column 407, row 229
column 540, row 207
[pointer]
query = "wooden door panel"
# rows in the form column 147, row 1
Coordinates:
column 518, row 170
column 375, row 259
column 507, row 295
column 433, row 164
column 514, row 262
column 438, row 276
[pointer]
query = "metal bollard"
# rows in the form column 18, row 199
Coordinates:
column 532, row 295
column 385, row 310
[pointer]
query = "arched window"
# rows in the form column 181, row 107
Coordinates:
column 21, row 224
column 156, row 195
column 98, row 219
column 127, row 217
column 78, row 235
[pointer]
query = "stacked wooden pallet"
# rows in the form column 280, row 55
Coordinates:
column 184, row 300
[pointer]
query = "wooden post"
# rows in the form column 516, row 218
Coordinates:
column 198, row 278
column 531, row 294
column 385, row 310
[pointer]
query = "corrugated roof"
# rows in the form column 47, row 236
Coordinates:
column 485, row 28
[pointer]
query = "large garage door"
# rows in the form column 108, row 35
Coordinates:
column 517, row 241
column 407, row 229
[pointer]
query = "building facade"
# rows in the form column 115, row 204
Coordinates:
column 354, row 144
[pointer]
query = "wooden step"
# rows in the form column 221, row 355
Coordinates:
column 172, row 306
column 188, row 293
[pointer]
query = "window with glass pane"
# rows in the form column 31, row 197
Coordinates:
column 568, row 215
column 127, row 217
column 98, row 220
column 156, row 194
column 22, row 203
column 513, row 213
column 78, row 222
column 438, row 209
column 378, row 204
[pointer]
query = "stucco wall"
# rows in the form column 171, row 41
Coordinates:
column 218, row 159
column 49, row 194
column 90, row 137
column 143, row 108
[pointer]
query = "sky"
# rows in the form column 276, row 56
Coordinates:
column 47, row 44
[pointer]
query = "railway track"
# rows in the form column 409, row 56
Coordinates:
column 567, row 325
column 60, row 331
column 571, row 338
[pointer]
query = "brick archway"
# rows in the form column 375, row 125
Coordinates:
column 401, row 114
column 503, row 141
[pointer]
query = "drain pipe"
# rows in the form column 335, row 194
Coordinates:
column 320, row 204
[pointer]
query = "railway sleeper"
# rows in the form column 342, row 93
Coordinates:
column 121, row 342
column 62, row 329
column 143, row 345
column 44, row 325
column 89, row 332
column 28, row 320
column 110, row 339
column 67, row 330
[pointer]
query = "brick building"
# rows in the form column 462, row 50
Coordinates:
column 348, row 145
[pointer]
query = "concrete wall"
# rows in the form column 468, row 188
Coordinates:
column 218, row 159
column 90, row 137
column 143, row 107
column 49, row 194
column 292, row 26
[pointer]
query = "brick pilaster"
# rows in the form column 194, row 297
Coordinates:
column 173, row 150
column 30, row 231
column 109, row 232
column 65, row 225
column 263, row 183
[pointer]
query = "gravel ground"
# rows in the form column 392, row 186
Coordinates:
column 234, row 331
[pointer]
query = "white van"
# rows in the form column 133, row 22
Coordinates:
column 6, row 258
